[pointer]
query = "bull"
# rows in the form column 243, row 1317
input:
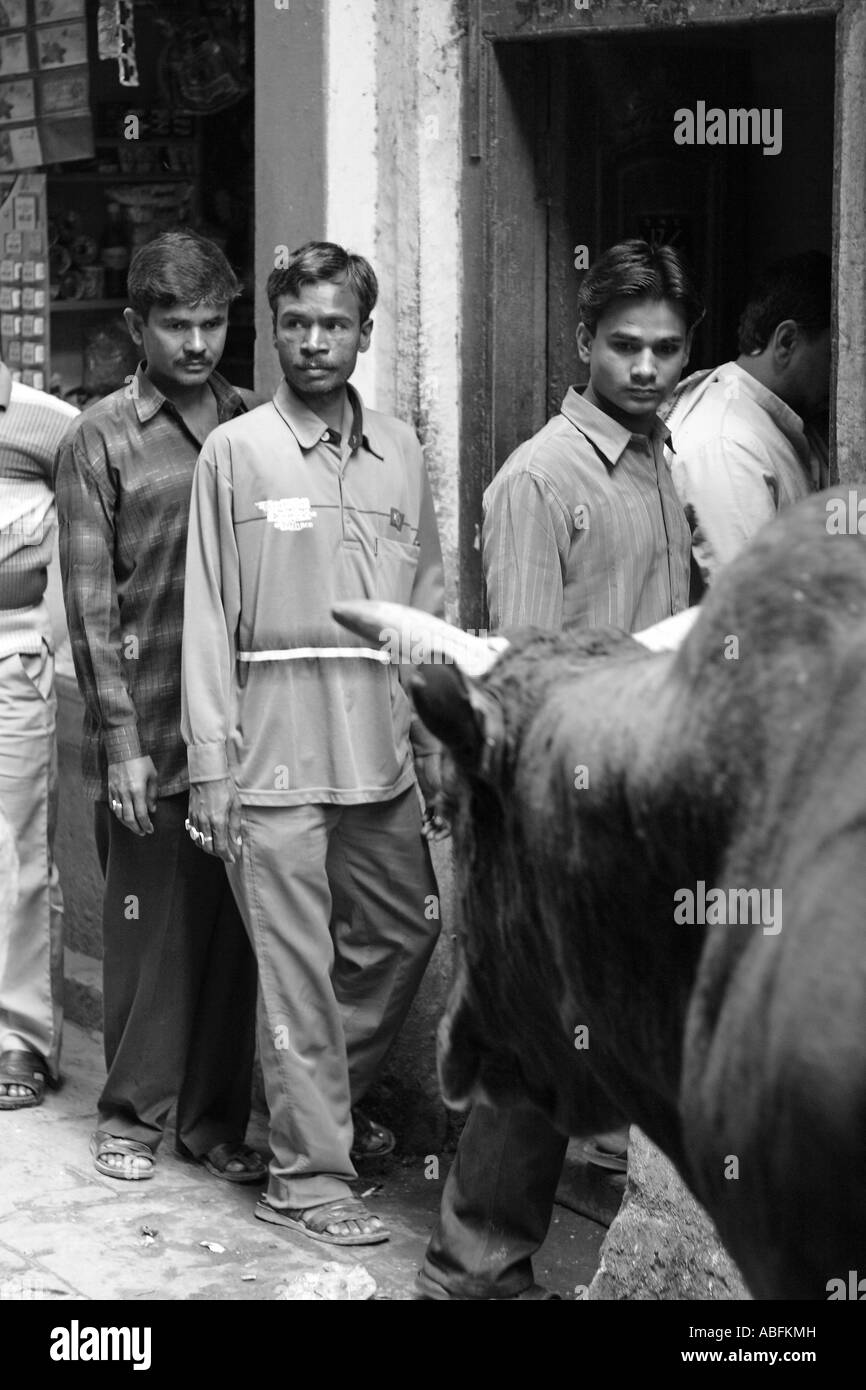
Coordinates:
column 595, row 786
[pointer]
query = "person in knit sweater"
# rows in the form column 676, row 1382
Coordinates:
column 32, row 425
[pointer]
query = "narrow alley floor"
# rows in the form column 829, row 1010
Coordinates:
column 68, row 1233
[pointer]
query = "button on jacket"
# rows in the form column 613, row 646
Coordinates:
column 288, row 518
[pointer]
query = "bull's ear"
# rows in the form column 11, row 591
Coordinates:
column 461, row 714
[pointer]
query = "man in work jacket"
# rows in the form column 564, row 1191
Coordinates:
column 300, row 751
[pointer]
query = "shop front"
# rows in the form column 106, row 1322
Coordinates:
column 117, row 121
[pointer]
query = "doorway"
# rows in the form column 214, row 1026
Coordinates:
column 580, row 153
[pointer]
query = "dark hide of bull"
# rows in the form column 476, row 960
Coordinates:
column 741, row 1052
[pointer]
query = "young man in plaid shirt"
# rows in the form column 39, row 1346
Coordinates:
column 179, row 976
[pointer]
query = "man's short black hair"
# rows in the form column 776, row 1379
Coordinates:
column 798, row 288
column 179, row 267
column 635, row 270
column 325, row 260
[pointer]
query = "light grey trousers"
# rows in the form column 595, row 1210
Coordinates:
column 31, row 945
column 342, row 909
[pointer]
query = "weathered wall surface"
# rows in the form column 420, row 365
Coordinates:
column 363, row 148
column 850, row 253
column 289, row 149
column 392, row 192
column 662, row 1244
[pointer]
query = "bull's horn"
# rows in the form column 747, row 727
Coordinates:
column 670, row 633
column 415, row 638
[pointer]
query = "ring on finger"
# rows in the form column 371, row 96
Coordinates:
column 116, row 805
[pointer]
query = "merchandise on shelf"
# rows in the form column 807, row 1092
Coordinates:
column 114, row 251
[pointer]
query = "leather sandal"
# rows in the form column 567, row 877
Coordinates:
column 370, row 1140
column 608, row 1151
column 313, row 1221
column 217, row 1161
column 102, row 1144
column 21, row 1067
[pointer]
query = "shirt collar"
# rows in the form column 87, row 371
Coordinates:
column 310, row 429
column 148, row 399
column 788, row 421
column 610, row 438
column 5, row 386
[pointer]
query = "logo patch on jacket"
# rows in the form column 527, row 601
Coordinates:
column 288, row 513
column 396, row 519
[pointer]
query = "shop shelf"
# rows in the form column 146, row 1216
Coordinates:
column 85, row 306
column 119, row 177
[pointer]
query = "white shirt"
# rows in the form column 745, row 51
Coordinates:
column 741, row 456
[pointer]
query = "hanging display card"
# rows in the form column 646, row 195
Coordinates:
column 24, row 319
column 44, row 83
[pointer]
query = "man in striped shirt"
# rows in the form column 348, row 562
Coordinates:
column 32, row 425
column 582, row 528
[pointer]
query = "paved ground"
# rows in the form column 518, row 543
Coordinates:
column 67, row 1233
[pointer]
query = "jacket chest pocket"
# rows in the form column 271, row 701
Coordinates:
column 396, row 566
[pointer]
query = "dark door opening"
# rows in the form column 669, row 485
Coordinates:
column 616, row 171
column 580, row 151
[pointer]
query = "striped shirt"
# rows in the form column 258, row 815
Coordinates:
column 32, row 424
column 742, row 455
column 583, row 527
column 124, row 479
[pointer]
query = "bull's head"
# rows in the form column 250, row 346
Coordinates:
column 509, row 1028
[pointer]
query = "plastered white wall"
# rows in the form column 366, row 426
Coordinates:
column 393, row 194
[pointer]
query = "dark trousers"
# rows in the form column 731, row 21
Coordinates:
column 179, row 987
column 496, row 1205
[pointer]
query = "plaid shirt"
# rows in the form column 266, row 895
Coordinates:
column 123, row 484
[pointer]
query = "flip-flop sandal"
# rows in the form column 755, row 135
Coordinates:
column 21, row 1067
column 313, row 1221
column 601, row 1157
column 371, row 1140
column 217, row 1161
column 101, row 1145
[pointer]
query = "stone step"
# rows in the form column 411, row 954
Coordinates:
column 82, row 1001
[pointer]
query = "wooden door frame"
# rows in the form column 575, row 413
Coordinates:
column 495, row 255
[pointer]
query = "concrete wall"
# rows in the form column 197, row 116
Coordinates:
column 363, row 148
column 392, row 187
column 289, row 149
